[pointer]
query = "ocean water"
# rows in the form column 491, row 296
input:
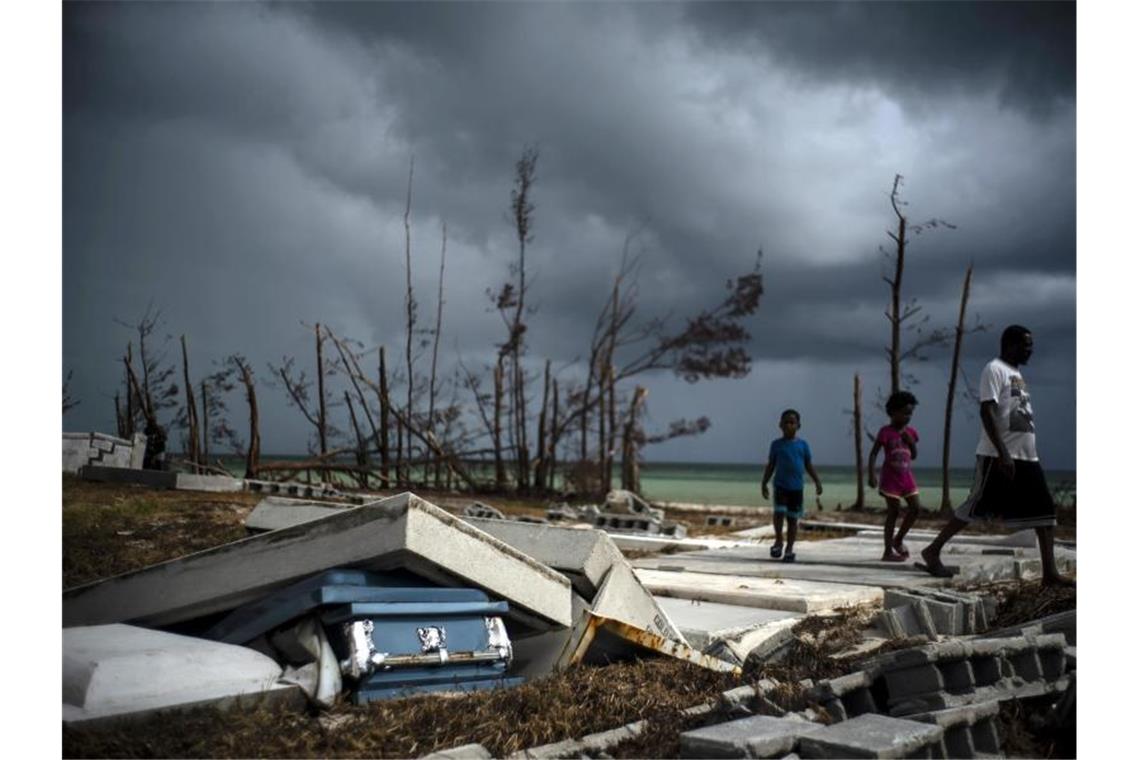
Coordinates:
column 739, row 484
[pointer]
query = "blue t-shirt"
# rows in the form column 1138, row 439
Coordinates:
column 789, row 457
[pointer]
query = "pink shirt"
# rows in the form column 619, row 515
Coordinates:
column 896, row 478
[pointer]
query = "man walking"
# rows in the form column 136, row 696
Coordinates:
column 1009, row 483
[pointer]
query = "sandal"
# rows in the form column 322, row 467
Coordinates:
column 776, row 550
column 892, row 555
column 790, row 557
column 901, row 550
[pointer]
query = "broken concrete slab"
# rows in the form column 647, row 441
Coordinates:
column 276, row 512
column 702, row 623
column 755, row 736
column 788, row 594
column 585, row 555
column 639, row 543
column 842, row 560
column 122, row 671
column 619, row 500
column 401, row 532
column 185, row 481
column 486, row 511
column 872, row 735
column 622, row 596
column 464, row 752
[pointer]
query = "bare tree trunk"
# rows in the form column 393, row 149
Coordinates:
column 361, row 443
column 253, row 454
column 322, row 430
column 520, row 424
column 497, row 432
column 410, row 305
column 859, row 504
column 896, row 291
column 435, row 346
column 130, row 416
column 602, row 431
column 946, row 506
column 630, row 472
column 205, row 424
column 384, row 414
column 540, row 466
column 119, row 426
column 611, row 440
column 551, row 468
column 191, row 412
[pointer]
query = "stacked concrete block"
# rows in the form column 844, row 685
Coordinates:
column 873, row 736
column 296, row 490
column 912, row 619
column 952, row 613
column 755, row 736
column 968, row 731
column 957, row 673
column 845, row 697
column 630, row 503
column 101, row 450
column 1064, row 623
column 484, row 511
column 720, row 521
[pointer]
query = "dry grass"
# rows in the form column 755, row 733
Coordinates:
column 580, row 701
column 110, row 529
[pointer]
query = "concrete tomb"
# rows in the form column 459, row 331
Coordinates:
column 401, row 532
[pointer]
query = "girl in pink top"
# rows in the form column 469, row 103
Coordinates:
column 896, row 483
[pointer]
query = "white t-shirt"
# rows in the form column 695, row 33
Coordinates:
column 1004, row 384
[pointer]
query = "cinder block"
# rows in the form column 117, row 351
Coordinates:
column 874, row 736
column 755, row 736
column 957, row 675
column 1026, row 665
column 1052, row 663
column 986, row 670
column 985, row 737
column 924, row 679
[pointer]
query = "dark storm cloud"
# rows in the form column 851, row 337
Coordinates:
column 1026, row 51
column 246, row 166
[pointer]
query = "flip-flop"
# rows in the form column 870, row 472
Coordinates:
column 776, row 551
column 943, row 572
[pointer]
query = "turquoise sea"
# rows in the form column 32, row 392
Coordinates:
column 739, row 484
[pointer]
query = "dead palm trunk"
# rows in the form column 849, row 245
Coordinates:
column 541, row 464
column 497, row 431
column 205, row 424
column 253, row 454
column 322, row 430
column 384, row 421
column 958, row 333
column 630, row 472
column 859, row 504
column 191, row 412
column 435, row 347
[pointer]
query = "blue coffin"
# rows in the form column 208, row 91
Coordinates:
column 392, row 632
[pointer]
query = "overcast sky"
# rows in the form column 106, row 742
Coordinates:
column 244, row 167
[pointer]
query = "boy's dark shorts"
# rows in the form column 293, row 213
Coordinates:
column 1024, row 502
column 788, row 502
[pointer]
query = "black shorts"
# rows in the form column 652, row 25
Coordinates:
column 789, row 502
column 1024, row 502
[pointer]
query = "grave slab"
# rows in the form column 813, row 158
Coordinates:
column 185, row 481
column 702, row 623
column 583, row 554
column 871, row 735
column 401, row 532
column 119, row 671
column 622, row 596
column 276, row 512
column 641, row 543
column 755, row 736
column 788, row 594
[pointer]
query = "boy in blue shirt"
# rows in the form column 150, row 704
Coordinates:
column 788, row 457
